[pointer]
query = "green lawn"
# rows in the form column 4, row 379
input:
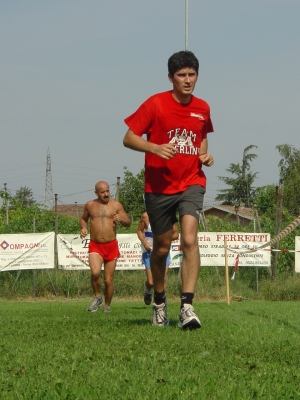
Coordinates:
column 57, row 350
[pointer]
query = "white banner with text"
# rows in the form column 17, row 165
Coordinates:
column 26, row 251
column 73, row 251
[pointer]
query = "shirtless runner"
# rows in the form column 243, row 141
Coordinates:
column 103, row 213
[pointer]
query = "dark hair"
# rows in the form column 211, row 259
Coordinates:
column 182, row 59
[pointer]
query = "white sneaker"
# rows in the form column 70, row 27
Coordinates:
column 106, row 309
column 188, row 318
column 159, row 316
column 96, row 303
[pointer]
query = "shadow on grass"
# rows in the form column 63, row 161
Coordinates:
column 147, row 322
column 288, row 325
column 140, row 321
column 280, row 322
column 142, row 307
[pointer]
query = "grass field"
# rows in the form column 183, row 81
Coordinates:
column 57, row 350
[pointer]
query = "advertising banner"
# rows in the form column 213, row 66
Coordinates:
column 26, row 251
column 247, row 245
column 73, row 251
column 297, row 253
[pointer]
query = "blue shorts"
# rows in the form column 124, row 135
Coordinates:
column 146, row 259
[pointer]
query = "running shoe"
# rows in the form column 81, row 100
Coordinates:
column 188, row 319
column 159, row 316
column 96, row 303
column 147, row 296
column 106, row 309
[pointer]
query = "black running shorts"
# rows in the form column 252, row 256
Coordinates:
column 162, row 208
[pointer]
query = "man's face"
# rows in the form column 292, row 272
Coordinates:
column 102, row 193
column 184, row 81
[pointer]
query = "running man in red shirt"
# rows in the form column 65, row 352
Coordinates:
column 176, row 124
column 103, row 213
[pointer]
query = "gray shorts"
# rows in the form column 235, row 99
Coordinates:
column 162, row 208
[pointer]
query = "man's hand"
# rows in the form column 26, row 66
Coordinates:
column 117, row 217
column 83, row 233
column 206, row 159
column 166, row 151
column 147, row 246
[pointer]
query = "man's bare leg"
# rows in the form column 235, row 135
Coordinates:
column 189, row 272
column 159, row 254
column 109, row 270
column 95, row 261
column 149, row 280
column 161, row 248
column 191, row 257
column 148, row 292
column 165, row 280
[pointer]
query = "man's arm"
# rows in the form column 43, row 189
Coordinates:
column 122, row 217
column 83, row 223
column 137, row 143
column 205, row 157
column 141, row 235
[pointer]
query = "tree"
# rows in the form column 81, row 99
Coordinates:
column 241, row 190
column 24, row 197
column 265, row 200
column 5, row 196
column 36, row 218
column 289, row 172
column 132, row 192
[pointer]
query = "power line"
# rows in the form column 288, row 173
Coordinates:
column 90, row 168
column 26, row 166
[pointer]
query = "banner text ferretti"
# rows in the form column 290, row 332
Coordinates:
column 242, row 238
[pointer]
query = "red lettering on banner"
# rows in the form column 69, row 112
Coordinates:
column 20, row 246
column 203, row 239
column 242, row 238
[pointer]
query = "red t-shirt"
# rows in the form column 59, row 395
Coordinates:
column 164, row 120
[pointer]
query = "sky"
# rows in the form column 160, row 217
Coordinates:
column 71, row 71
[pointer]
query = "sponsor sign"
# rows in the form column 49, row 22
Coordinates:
column 73, row 251
column 212, row 252
column 26, row 251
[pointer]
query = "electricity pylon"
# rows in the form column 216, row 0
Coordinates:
column 48, row 201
